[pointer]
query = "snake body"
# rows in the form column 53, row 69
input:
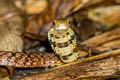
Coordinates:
column 63, row 40
column 29, row 60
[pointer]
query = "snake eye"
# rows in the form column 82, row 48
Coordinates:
column 98, row 13
column 69, row 22
column 53, row 22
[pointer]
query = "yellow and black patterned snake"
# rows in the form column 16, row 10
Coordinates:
column 63, row 40
column 63, row 43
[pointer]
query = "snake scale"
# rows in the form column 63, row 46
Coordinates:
column 63, row 43
column 29, row 60
column 63, row 40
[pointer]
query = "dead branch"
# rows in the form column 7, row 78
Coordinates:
column 87, row 48
column 103, row 38
column 108, row 45
column 34, row 36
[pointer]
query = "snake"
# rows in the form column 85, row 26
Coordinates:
column 63, row 40
column 28, row 60
column 63, row 43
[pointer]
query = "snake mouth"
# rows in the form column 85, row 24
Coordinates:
column 61, row 27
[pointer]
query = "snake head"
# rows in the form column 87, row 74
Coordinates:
column 61, row 24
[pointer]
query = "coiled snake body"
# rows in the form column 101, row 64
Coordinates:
column 63, row 42
column 29, row 60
